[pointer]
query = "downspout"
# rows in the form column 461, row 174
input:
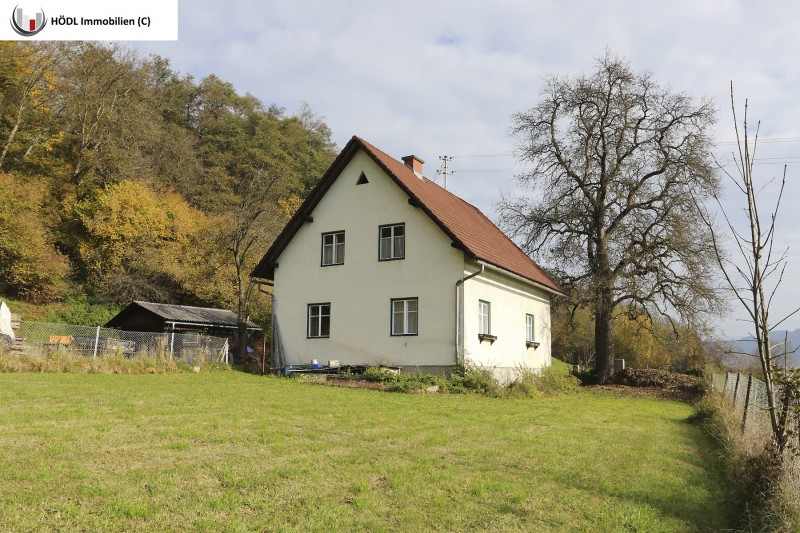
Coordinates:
column 459, row 284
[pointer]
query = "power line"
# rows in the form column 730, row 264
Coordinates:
column 484, row 155
column 767, row 140
column 780, row 158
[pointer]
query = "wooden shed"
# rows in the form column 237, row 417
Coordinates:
column 165, row 318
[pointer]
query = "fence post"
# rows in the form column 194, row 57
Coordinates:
column 171, row 344
column 96, row 342
column 725, row 386
column 736, row 388
column 226, row 351
column 747, row 401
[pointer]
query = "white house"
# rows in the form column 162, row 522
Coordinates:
column 383, row 266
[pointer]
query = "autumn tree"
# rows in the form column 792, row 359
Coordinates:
column 643, row 341
column 28, row 73
column 615, row 163
column 99, row 87
column 30, row 266
column 148, row 184
column 135, row 242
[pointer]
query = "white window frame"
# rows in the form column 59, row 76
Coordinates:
column 530, row 332
column 334, row 243
column 484, row 317
column 396, row 244
column 317, row 315
column 402, row 310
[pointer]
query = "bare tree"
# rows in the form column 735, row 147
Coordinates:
column 248, row 229
column 750, row 279
column 616, row 161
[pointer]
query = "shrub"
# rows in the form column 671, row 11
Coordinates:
column 397, row 382
column 556, row 379
column 470, row 378
column 83, row 311
column 552, row 380
column 769, row 488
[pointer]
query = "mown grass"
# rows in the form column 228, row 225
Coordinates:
column 229, row 451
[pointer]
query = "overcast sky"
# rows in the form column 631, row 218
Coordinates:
column 436, row 78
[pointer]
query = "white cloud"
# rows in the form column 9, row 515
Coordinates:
column 444, row 77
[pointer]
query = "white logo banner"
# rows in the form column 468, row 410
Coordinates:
column 90, row 20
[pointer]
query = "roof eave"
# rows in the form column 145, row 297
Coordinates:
column 266, row 267
column 525, row 279
column 418, row 202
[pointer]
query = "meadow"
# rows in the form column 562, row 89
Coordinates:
column 230, row 451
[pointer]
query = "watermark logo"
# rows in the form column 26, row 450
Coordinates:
column 27, row 25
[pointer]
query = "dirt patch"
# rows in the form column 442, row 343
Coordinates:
column 345, row 381
column 647, row 392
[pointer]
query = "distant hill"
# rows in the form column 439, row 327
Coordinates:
column 748, row 345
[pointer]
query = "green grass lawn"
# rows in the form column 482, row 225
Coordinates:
column 230, row 451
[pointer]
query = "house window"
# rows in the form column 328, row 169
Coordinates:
column 333, row 248
column 392, row 242
column 529, row 328
column 319, row 321
column 530, row 337
column 404, row 316
column 484, row 317
column 485, row 322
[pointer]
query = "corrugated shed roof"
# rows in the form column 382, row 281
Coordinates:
column 469, row 229
column 193, row 315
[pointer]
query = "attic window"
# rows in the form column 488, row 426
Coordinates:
column 362, row 179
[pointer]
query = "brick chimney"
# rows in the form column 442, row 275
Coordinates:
column 415, row 164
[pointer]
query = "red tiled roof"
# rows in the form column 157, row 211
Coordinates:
column 469, row 229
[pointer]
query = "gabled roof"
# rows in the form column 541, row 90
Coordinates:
column 463, row 223
column 184, row 314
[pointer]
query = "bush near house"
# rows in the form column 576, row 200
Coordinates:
column 555, row 379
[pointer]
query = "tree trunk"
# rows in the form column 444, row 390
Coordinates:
column 604, row 350
column 241, row 340
column 12, row 135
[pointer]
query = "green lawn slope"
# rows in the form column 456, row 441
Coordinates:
column 235, row 452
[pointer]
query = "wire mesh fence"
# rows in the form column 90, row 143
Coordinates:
column 46, row 338
column 749, row 397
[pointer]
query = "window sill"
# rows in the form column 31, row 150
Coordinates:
column 532, row 344
column 486, row 337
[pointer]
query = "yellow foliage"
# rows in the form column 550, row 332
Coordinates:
column 635, row 340
column 642, row 343
column 290, row 205
column 135, row 237
column 30, row 266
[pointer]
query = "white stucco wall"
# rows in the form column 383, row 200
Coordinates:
column 510, row 301
column 360, row 290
